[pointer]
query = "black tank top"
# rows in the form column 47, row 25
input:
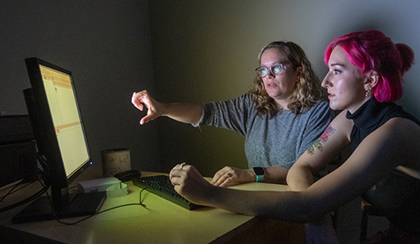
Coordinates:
column 396, row 196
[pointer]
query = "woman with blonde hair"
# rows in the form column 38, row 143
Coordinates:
column 280, row 117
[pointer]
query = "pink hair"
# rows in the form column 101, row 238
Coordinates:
column 372, row 50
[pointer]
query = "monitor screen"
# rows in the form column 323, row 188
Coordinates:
column 61, row 140
column 65, row 115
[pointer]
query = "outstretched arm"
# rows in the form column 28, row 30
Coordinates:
column 383, row 150
column 182, row 112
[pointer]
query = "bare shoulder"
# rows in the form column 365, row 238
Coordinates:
column 403, row 128
column 402, row 136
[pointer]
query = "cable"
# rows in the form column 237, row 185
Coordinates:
column 44, row 189
column 100, row 212
column 13, row 191
column 33, row 197
column 44, row 175
column 10, row 192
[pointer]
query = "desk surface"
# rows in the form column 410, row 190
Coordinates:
column 162, row 221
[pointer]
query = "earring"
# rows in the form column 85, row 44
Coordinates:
column 367, row 92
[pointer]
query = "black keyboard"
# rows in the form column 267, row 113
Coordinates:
column 162, row 186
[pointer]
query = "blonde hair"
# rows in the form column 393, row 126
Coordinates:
column 308, row 89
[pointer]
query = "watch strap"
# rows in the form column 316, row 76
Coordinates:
column 259, row 174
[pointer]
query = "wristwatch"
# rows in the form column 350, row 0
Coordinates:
column 259, row 173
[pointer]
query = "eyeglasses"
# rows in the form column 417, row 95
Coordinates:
column 275, row 70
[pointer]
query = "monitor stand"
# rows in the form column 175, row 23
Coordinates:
column 80, row 204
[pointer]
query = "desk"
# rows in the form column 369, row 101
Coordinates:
column 160, row 222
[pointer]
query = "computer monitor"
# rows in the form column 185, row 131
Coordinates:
column 61, row 140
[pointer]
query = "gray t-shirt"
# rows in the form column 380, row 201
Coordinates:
column 279, row 141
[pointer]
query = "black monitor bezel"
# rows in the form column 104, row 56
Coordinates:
column 47, row 142
column 63, row 203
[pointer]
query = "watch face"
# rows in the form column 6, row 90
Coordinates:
column 258, row 170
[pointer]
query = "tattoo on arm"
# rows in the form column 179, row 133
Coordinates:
column 322, row 139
